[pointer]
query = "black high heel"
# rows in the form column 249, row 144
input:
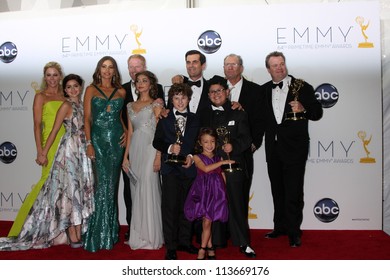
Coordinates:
column 211, row 249
column 205, row 251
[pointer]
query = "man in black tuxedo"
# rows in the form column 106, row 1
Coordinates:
column 136, row 63
column 248, row 95
column 217, row 115
column 177, row 178
column 195, row 65
column 287, row 143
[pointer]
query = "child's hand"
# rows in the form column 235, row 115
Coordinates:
column 189, row 161
column 228, row 161
column 175, row 149
column 227, row 148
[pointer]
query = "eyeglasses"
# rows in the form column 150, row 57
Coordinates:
column 217, row 91
column 231, row 64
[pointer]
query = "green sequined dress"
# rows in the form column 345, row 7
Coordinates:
column 106, row 130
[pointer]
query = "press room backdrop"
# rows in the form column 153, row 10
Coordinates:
column 333, row 46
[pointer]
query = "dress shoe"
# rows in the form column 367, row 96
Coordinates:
column 274, row 234
column 75, row 245
column 202, row 249
column 295, row 241
column 127, row 235
column 211, row 253
column 190, row 249
column 171, row 255
column 248, row 251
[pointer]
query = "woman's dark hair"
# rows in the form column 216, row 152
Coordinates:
column 153, row 82
column 69, row 77
column 116, row 81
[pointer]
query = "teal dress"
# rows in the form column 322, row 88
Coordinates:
column 106, row 130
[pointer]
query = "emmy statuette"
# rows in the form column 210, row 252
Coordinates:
column 295, row 87
column 224, row 133
column 179, row 127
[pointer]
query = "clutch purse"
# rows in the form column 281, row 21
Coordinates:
column 133, row 178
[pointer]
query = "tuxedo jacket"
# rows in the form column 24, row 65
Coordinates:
column 165, row 136
column 204, row 98
column 236, row 121
column 129, row 98
column 290, row 139
column 250, row 100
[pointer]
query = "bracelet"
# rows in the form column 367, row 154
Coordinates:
column 89, row 142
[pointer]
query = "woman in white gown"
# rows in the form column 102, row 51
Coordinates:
column 144, row 162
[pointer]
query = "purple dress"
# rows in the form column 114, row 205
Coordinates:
column 207, row 196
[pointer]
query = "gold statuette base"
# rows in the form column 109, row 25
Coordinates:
column 176, row 159
column 291, row 116
column 231, row 167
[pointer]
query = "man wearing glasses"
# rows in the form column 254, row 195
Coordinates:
column 248, row 95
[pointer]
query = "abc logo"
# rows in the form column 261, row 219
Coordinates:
column 326, row 210
column 8, row 152
column 327, row 95
column 209, row 41
column 8, row 52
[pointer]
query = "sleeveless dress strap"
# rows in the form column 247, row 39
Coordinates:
column 102, row 93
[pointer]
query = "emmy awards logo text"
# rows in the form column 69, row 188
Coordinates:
column 360, row 20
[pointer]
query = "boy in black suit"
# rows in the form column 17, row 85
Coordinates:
column 221, row 115
column 175, row 137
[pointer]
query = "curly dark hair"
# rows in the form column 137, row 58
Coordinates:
column 177, row 89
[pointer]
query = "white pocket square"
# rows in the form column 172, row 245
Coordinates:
column 231, row 123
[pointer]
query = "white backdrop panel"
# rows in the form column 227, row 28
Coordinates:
column 320, row 41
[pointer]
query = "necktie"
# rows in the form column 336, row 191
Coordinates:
column 219, row 108
column 181, row 114
column 280, row 85
column 191, row 83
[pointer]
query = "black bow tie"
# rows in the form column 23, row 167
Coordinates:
column 191, row 83
column 280, row 85
column 181, row 114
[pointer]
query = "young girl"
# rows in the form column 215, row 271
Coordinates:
column 206, row 199
column 60, row 213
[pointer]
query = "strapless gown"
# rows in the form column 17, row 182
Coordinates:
column 65, row 199
column 49, row 112
column 106, row 130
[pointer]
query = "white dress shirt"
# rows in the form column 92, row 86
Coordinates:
column 279, row 97
column 196, row 95
column 235, row 90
